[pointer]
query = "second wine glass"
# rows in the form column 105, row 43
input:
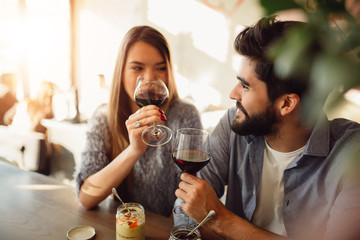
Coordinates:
column 153, row 92
column 191, row 150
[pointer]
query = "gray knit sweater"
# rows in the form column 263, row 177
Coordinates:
column 154, row 177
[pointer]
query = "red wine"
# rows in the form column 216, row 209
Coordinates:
column 184, row 235
column 190, row 161
column 141, row 102
column 151, row 98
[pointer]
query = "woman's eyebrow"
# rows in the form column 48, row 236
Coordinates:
column 160, row 63
column 140, row 63
column 136, row 62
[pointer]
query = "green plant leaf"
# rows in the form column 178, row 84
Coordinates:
column 272, row 7
column 327, row 54
column 291, row 53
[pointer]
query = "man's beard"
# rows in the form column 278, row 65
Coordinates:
column 260, row 124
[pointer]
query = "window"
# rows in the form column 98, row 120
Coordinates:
column 35, row 43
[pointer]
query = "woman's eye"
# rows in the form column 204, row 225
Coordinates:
column 244, row 86
column 137, row 68
column 162, row 68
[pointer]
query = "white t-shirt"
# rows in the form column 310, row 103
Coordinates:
column 269, row 203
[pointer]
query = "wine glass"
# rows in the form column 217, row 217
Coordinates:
column 153, row 92
column 191, row 149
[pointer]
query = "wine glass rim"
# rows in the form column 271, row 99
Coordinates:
column 156, row 79
column 192, row 129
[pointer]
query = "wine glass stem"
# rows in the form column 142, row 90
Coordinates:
column 156, row 132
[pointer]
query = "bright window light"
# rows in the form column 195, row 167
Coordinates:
column 207, row 27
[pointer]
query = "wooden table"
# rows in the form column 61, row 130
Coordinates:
column 34, row 206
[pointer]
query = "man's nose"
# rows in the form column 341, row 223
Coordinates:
column 236, row 93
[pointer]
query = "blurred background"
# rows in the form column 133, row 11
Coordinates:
column 74, row 44
column 59, row 56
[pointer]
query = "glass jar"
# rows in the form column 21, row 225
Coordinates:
column 130, row 225
column 181, row 231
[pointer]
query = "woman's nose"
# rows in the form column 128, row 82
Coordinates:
column 149, row 75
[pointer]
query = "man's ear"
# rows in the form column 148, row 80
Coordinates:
column 288, row 103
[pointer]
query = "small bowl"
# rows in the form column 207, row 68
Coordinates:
column 81, row 233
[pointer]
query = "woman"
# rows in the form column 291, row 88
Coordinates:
column 115, row 155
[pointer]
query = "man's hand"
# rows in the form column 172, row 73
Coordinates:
column 199, row 197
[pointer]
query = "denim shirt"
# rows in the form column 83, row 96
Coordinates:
column 319, row 201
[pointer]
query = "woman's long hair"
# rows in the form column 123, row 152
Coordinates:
column 119, row 108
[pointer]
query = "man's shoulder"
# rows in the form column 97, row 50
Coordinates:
column 345, row 134
column 227, row 120
column 344, row 122
column 223, row 128
column 342, row 126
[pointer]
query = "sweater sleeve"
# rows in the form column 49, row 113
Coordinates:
column 94, row 156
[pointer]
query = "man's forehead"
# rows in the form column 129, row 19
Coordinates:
column 240, row 63
column 246, row 70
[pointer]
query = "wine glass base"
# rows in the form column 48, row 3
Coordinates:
column 156, row 136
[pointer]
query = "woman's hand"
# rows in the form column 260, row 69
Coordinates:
column 145, row 116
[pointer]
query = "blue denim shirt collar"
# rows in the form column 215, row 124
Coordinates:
column 319, row 141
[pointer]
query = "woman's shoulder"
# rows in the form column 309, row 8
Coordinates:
column 100, row 111
column 99, row 116
column 181, row 106
column 183, row 114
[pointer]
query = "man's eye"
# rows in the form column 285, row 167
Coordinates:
column 244, row 86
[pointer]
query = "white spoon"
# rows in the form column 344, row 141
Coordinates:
column 118, row 197
column 209, row 216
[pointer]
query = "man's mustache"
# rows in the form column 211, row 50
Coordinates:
column 242, row 109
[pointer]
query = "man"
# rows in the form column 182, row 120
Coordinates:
column 286, row 179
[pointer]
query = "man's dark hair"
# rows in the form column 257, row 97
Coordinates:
column 253, row 43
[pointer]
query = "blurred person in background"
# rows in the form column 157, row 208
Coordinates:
column 31, row 111
column 8, row 98
column 114, row 155
column 41, row 107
